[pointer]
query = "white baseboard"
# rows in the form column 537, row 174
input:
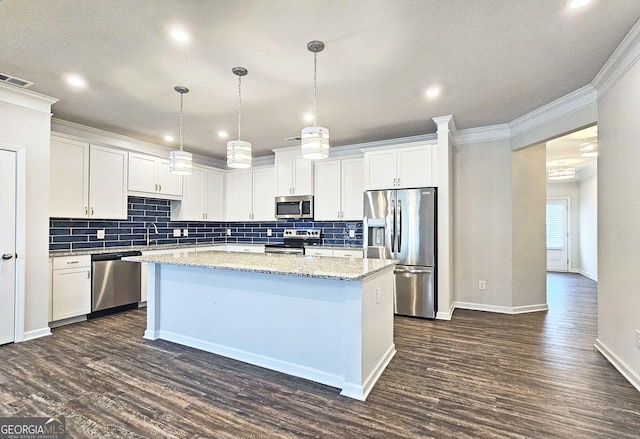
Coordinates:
column 37, row 333
column 589, row 275
column 617, row 362
column 501, row 309
column 444, row 315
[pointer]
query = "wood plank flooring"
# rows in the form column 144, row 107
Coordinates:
column 481, row 375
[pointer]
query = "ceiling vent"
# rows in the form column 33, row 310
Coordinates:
column 292, row 139
column 15, row 81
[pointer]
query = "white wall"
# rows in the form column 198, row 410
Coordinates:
column 571, row 190
column 25, row 121
column 619, row 221
column 588, row 217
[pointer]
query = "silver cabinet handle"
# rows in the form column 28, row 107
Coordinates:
column 73, row 262
column 88, row 274
column 92, row 211
column 159, row 188
column 86, row 210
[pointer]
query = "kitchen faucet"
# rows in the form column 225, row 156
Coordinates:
column 155, row 229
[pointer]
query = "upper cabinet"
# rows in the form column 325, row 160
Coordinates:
column 202, row 198
column 400, row 167
column 87, row 181
column 294, row 174
column 339, row 185
column 250, row 195
column 150, row 176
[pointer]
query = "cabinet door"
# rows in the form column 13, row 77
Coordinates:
column 264, row 194
column 303, row 176
column 214, row 195
column 284, row 174
column 69, row 179
column 352, row 189
column 71, row 294
column 326, row 202
column 142, row 173
column 168, row 184
column 414, row 166
column 348, row 253
column 238, row 199
column 191, row 208
column 107, row 183
column 380, row 169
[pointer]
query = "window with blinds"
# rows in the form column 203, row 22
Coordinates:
column 555, row 226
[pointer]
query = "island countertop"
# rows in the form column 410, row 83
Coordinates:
column 348, row 269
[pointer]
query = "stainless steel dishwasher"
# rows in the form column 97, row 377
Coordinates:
column 115, row 282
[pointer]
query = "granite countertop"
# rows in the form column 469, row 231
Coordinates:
column 143, row 248
column 352, row 269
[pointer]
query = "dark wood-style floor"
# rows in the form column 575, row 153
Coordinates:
column 481, row 375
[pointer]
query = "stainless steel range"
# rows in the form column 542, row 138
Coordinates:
column 294, row 241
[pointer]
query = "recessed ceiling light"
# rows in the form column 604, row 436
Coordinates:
column 577, row 3
column 179, row 34
column 222, row 134
column 76, row 81
column 169, row 138
column 308, row 117
column 433, row 92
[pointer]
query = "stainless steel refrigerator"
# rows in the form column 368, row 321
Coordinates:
column 401, row 224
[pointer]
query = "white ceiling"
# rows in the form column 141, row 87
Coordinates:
column 495, row 60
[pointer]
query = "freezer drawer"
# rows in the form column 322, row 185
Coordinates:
column 415, row 291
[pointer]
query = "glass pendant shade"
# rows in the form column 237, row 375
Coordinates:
column 315, row 143
column 180, row 162
column 238, row 154
column 562, row 173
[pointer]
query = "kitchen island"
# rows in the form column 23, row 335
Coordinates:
column 329, row 320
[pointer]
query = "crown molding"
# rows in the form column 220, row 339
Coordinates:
column 26, row 99
column 623, row 58
column 490, row 133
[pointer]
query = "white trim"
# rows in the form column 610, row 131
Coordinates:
column 501, row 309
column 446, row 315
column 37, row 333
column 591, row 276
column 361, row 392
column 618, row 363
column 623, row 58
column 482, row 134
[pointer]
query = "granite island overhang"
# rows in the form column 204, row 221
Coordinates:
column 325, row 319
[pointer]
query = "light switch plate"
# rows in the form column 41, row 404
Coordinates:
column 176, row 233
column 185, row 232
column 100, row 234
column 482, row 284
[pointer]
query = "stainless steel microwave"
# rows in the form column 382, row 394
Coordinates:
column 294, row 206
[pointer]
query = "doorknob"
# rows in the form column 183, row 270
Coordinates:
column 7, row 256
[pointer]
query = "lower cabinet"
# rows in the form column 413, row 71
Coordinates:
column 336, row 253
column 70, row 287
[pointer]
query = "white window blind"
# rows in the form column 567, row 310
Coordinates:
column 555, row 226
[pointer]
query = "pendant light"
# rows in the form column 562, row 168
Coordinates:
column 589, row 148
column 239, row 151
column 562, row 173
column 180, row 162
column 315, row 139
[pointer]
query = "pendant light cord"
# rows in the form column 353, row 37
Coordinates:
column 315, row 76
column 181, row 119
column 239, row 107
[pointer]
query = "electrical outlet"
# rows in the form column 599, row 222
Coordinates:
column 228, row 232
column 378, row 295
column 269, row 232
column 185, row 232
column 176, row 233
column 100, row 234
column 638, row 338
column 352, row 233
column 482, row 284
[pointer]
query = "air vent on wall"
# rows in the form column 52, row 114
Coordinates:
column 15, row 81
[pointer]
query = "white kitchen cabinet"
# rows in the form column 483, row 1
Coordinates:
column 401, row 167
column 250, row 195
column 294, row 174
column 87, row 181
column 336, row 253
column 70, row 287
column 339, row 185
column 310, row 251
column 202, row 196
column 149, row 175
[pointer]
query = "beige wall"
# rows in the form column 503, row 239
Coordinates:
column 619, row 222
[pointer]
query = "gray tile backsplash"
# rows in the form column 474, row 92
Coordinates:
column 81, row 234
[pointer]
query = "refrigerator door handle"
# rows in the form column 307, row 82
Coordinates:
column 393, row 229
column 413, row 271
column 399, row 226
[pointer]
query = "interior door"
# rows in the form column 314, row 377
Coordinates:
column 7, row 245
column 557, row 234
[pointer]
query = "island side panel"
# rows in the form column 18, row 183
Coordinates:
column 369, row 345
column 153, row 302
column 290, row 324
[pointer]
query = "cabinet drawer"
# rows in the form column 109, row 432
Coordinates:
column 348, row 253
column 63, row 262
column 318, row 252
